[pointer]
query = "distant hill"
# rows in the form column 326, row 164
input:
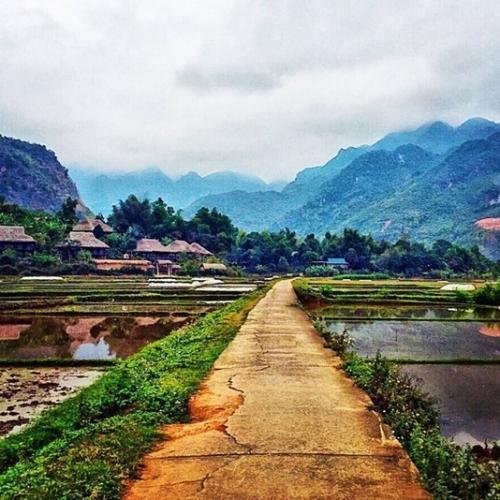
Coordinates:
column 32, row 177
column 101, row 192
column 432, row 182
column 424, row 195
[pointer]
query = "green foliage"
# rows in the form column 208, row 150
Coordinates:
column 67, row 214
column 261, row 253
column 319, row 270
column 84, row 256
column 488, row 295
column 86, row 446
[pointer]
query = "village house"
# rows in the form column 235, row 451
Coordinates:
column 155, row 251
column 81, row 240
column 14, row 238
column 178, row 247
column 167, row 267
column 151, row 249
column 96, row 226
column 336, row 262
column 213, row 268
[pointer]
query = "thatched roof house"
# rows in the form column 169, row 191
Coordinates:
column 15, row 238
column 90, row 225
column 199, row 249
column 155, row 250
column 179, row 246
column 81, row 240
column 213, row 267
column 85, row 240
column 149, row 245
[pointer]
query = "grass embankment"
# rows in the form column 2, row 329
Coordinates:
column 448, row 470
column 86, row 446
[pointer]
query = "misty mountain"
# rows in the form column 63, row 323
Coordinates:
column 103, row 191
column 437, row 186
column 31, row 176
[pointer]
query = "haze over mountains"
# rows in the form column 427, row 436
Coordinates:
column 102, row 191
column 433, row 182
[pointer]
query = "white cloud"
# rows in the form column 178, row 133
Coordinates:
column 256, row 86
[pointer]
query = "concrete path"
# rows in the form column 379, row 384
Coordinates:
column 278, row 419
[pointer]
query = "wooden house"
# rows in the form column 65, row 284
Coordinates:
column 167, row 267
column 151, row 249
column 96, row 226
column 14, row 237
column 81, row 240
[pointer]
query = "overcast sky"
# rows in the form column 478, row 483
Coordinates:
column 263, row 87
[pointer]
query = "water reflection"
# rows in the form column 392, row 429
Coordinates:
column 407, row 312
column 422, row 340
column 468, row 397
column 89, row 337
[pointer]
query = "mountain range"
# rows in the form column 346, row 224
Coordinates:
column 435, row 181
column 102, row 191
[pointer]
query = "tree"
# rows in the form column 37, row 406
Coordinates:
column 67, row 214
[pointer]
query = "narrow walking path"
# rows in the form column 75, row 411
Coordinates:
column 278, row 419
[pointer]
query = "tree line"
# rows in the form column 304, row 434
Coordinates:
column 254, row 252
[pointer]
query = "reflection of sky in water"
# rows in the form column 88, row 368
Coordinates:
column 422, row 340
column 468, row 397
column 100, row 350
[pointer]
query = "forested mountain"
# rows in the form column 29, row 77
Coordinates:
column 428, row 198
column 101, row 192
column 432, row 182
column 31, row 176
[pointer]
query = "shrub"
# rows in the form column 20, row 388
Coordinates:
column 488, row 295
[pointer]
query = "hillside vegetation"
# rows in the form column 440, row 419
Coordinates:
column 32, row 177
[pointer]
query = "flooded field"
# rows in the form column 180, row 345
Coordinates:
column 85, row 320
column 428, row 312
column 423, row 340
column 25, row 392
column 468, row 397
column 81, row 338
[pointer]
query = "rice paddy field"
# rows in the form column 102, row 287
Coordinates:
column 451, row 348
column 58, row 336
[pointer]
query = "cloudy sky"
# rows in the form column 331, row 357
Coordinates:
column 263, row 87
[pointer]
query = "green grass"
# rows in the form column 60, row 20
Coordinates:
column 86, row 446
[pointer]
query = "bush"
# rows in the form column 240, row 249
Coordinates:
column 320, row 271
column 488, row 295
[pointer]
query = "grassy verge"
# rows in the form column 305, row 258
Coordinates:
column 86, row 446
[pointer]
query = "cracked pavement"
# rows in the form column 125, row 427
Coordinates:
column 277, row 418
